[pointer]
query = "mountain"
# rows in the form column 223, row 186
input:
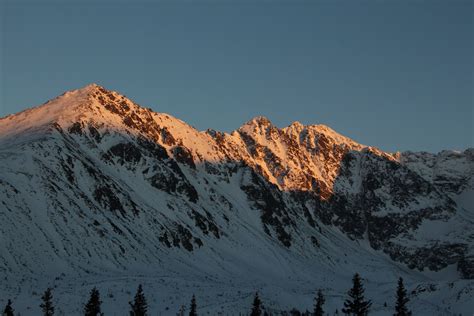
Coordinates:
column 96, row 190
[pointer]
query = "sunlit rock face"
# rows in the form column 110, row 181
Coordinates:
column 92, row 180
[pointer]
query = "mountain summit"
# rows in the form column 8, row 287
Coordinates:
column 95, row 189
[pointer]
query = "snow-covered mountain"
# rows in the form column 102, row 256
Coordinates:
column 98, row 191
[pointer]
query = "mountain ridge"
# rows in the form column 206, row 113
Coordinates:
column 87, row 92
column 120, row 180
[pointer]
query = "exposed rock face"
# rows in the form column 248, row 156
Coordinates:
column 143, row 178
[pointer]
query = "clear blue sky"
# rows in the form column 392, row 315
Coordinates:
column 393, row 74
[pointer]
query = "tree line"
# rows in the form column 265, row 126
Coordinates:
column 355, row 304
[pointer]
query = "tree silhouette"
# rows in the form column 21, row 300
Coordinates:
column 8, row 311
column 92, row 308
column 47, row 305
column 256, row 306
column 401, row 308
column 139, row 305
column 193, row 309
column 356, row 304
column 318, row 307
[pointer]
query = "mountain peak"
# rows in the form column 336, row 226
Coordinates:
column 259, row 121
column 297, row 124
column 93, row 85
column 258, row 124
column 71, row 106
column 81, row 92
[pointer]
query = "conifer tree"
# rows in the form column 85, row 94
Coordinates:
column 318, row 307
column 181, row 310
column 8, row 311
column 139, row 306
column 294, row 312
column 257, row 306
column 356, row 304
column 47, row 305
column 92, row 308
column 193, row 309
column 401, row 308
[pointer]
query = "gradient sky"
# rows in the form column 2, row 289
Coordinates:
column 392, row 74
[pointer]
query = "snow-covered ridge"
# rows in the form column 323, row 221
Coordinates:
column 97, row 190
column 85, row 105
column 66, row 104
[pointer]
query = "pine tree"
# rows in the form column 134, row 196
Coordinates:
column 295, row 312
column 8, row 311
column 47, row 305
column 401, row 308
column 318, row 307
column 92, row 308
column 257, row 306
column 139, row 305
column 181, row 310
column 356, row 304
column 193, row 309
